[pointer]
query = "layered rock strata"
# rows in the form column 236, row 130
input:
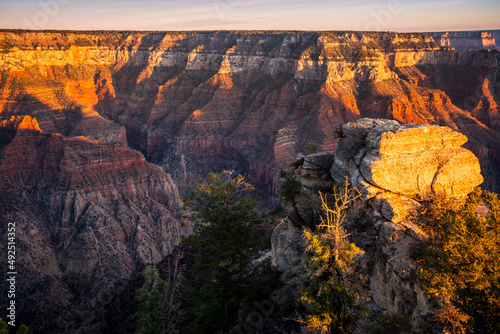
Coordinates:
column 463, row 41
column 197, row 102
column 88, row 215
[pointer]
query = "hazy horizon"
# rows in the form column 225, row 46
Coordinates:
column 316, row 15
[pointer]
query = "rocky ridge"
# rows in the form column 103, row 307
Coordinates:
column 420, row 161
column 88, row 216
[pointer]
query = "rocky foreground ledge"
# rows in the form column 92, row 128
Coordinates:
column 397, row 167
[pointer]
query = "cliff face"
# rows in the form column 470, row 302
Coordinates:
column 88, row 216
column 197, row 102
column 466, row 40
column 397, row 168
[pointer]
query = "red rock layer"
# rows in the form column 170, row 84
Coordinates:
column 88, row 216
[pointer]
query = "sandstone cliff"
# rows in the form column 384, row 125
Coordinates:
column 197, row 102
column 88, row 216
column 397, row 168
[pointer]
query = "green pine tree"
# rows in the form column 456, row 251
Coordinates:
column 23, row 329
column 224, row 245
column 310, row 147
column 4, row 328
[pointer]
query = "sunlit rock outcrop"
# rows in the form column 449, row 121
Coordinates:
column 397, row 168
column 384, row 158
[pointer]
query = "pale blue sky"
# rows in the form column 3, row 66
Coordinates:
column 395, row 15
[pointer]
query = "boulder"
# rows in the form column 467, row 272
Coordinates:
column 318, row 161
column 352, row 142
column 390, row 233
column 394, row 207
column 411, row 160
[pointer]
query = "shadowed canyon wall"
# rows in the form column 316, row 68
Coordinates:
column 88, row 216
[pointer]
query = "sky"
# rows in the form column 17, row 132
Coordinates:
column 170, row 15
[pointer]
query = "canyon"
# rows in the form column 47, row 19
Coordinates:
column 249, row 101
column 103, row 132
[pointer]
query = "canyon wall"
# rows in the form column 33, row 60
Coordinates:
column 91, row 210
column 194, row 102
column 88, row 216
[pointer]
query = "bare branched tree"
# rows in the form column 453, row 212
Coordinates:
column 331, row 293
column 336, row 214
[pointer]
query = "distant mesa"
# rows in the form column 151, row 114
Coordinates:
column 463, row 41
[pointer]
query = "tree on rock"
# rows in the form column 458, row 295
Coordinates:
column 223, row 247
column 159, row 300
column 331, row 292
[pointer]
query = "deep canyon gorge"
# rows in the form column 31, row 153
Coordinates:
column 103, row 132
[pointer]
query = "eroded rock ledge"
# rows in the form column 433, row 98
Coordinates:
column 397, row 167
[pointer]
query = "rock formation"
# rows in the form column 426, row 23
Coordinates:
column 396, row 167
column 88, row 216
column 463, row 41
column 250, row 101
